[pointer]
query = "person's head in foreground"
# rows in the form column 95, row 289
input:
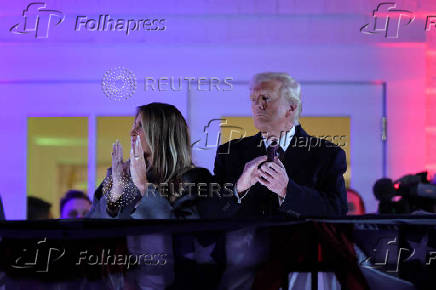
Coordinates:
column 38, row 209
column 275, row 102
column 75, row 204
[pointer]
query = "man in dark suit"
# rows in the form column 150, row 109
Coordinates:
column 306, row 178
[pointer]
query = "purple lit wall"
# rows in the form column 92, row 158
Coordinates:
column 313, row 41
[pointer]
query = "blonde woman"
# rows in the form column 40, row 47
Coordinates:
column 152, row 185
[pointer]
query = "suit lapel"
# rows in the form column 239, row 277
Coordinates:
column 257, row 148
column 295, row 154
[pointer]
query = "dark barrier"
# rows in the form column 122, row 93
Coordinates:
column 362, row 252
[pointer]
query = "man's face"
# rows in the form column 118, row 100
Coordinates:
column 75, row 208
column 271, row 112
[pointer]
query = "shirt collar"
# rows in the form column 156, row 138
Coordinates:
column 285, row 139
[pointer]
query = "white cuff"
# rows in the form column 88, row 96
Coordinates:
column 235, row 192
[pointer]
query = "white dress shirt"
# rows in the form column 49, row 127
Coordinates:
column 285, row 139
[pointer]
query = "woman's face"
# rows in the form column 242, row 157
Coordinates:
column 138, row 131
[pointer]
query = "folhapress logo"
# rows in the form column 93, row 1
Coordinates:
column 37, row 20
column 387, row 20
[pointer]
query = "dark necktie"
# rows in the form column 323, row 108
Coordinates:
column 274, row 149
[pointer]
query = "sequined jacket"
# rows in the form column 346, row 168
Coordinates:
column 152, row 204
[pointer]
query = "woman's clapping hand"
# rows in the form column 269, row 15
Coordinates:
column 138, row 167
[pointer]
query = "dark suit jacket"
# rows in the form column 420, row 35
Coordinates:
column 315, row 169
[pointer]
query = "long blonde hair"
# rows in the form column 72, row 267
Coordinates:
column 167, row 135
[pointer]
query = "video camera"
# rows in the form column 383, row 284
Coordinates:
column 410, row 193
